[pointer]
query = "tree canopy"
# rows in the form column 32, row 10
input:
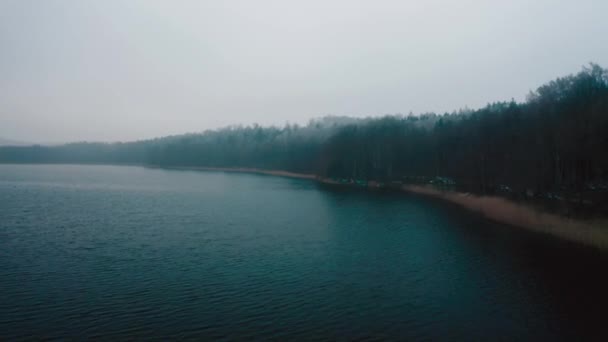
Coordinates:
column 555, row 144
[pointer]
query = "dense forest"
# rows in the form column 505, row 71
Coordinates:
column 553, row 146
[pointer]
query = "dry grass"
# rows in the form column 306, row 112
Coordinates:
column 495, row 208
column 505, row 211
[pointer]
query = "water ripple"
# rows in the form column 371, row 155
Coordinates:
column 129, row 253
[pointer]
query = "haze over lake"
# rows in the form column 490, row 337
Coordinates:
column 131, row 252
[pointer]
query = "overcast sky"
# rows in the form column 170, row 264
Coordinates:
column 122, row 70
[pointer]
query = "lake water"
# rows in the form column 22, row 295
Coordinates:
column 129, row 252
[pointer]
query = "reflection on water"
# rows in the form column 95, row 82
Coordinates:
column 102, row 251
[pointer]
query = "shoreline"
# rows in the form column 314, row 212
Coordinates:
column 499, row 209
column 590, row 233
column 279, row 173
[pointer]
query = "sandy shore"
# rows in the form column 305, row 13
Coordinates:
column 495, row 208
column 502, row 210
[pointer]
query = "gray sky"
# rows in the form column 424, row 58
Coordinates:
column 122, row 70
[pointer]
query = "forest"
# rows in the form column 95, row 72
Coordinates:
column 552, row 147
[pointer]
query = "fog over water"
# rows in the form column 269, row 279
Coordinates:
column 124, row 70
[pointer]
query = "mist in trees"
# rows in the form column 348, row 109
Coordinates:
column 555, row 144
column 292, row 147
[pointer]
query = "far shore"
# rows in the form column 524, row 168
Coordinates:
column 498, row 209
column 280, row 173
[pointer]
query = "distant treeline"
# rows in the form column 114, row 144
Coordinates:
column 555, row 144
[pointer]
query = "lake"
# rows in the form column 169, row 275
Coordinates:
column 113, row 252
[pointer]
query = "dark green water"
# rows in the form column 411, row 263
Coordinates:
column 127, row 252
